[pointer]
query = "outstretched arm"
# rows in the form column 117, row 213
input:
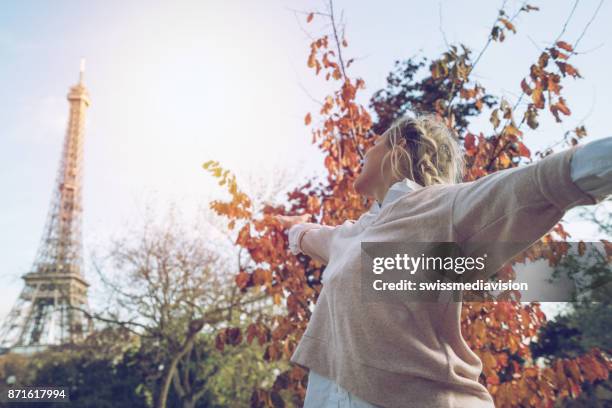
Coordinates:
column 311, row 239
column 306, row 237
column 522, row 204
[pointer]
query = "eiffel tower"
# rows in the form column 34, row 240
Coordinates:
column 50, row 308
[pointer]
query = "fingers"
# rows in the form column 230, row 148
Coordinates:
column 284, row 220
column 289, row 220
column 305, row 217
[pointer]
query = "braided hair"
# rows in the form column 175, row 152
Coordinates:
column 424, row 150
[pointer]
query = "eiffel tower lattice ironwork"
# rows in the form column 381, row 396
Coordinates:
column 50, row 308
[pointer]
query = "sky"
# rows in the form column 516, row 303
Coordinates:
column 174, row 84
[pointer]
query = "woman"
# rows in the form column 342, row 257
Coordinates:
column 381, row 354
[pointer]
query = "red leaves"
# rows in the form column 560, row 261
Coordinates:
column 228, row 336
column 523, row 150
column 469, row 142
column 258, row 331
column 309, row 17
column 565, row 46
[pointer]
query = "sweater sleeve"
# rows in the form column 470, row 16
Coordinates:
column 517, row 205
column 311, row 239
column 591, row 168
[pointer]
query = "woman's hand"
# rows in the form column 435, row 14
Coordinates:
column 287, row 221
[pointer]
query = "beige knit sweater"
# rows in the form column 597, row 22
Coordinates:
column 413, row 354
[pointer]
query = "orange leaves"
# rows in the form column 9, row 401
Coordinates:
column 543, row 81
column 568, row 374
column 312, row 61
column 568, row 69
column 331, row 164
column 479, row 330
column 497, row 333
column 537, row 97
column 565, row 46
column 543, row 60
column 239, row 206
column 490, row 368
column 556, row 54
column 525, row 87
column 560, row 106
column 307, row 119
column 262, row 277
column 438, row 69
column 315, row 46
column 504, row 160
column 242, row 280
column 512, row 131
column 348, row 91
column 475, row 93
column 508, row 24
column 498, row 31
column 283, row 328
column 341, row 129
column 309, row 17
column 327, row 60
column 313, row 204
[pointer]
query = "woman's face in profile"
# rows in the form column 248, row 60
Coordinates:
column 371, row 177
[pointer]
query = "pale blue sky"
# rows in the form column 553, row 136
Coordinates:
column 174, row 84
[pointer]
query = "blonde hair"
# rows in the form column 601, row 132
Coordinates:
column 430, row 154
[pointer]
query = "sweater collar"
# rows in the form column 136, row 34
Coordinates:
column 395, row 191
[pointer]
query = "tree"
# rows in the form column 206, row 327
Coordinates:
column 585, row 322
column 499, row 332
column 101, row 372
column 170, row 287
